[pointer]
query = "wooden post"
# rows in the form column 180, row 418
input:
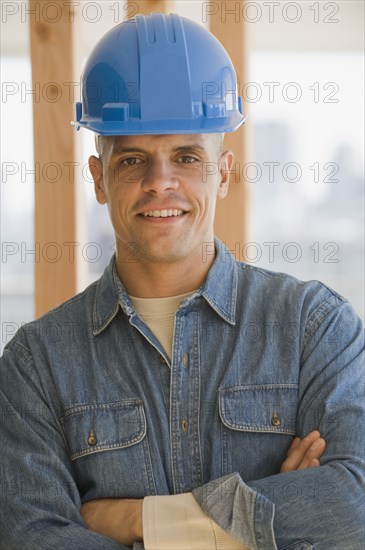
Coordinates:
column 231, row 219
column 52, row 28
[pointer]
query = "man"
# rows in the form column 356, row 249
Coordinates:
column 183, row 399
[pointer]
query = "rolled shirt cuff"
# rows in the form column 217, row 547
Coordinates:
column 177, row 522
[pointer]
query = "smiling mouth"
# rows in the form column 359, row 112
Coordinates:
column 163, row 213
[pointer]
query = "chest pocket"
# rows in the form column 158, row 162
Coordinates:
column 257, row 425
column 107, row 441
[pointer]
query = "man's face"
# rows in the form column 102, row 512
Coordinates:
column 161, row 174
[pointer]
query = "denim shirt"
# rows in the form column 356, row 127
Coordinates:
column 92, row 408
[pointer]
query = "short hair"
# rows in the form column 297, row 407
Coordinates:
column 102, row 143
column 220, row 143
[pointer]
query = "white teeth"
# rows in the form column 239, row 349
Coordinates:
column 163, row 213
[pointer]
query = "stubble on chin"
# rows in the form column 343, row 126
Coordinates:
column 163, row 250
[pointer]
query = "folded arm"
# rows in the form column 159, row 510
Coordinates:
column 40, row 504
column 121, row 519
column 323, row 506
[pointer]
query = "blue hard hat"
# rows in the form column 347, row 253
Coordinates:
column 159, row 74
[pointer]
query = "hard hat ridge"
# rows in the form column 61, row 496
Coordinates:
column 159, row 74
column 164, row 68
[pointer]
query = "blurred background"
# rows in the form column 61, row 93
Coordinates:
column 303, row 95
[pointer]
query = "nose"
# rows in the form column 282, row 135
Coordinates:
column 159, row 177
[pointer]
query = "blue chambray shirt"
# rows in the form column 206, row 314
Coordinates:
column 93, row 408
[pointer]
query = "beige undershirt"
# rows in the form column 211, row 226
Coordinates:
column 159, row 315
column 175, row 522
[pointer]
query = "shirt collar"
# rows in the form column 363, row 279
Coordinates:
column 220, row 285
column 219, row 289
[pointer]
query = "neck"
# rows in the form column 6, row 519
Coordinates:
column 144, row 279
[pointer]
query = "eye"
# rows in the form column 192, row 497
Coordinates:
column 187, row 159
column 130, row 161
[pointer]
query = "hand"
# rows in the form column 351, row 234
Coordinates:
column 118, row 519
column 304, row 453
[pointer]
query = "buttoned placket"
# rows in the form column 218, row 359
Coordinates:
column 164, row 370
column 184, row 395
column 185, row 402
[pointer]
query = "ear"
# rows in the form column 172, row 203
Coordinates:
column 96, row 169
column 225, row 166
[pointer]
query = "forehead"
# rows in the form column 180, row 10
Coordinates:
column 163, row 142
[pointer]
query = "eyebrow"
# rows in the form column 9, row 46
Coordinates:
column 188, row 148
column 121, row 149
column 179, row 149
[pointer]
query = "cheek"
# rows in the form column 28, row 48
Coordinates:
column 209, row 198
column 115, row 194
column 205, row 209
column 116, row 211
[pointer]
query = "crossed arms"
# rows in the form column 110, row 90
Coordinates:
column 121, row 519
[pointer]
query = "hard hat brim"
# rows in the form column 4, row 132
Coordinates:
column 136, row 127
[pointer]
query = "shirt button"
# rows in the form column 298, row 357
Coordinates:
column 275, row 420
column 92, row 438
column 184, row 424
column 185, row 359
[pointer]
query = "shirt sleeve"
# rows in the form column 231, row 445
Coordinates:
column 174, row 522
column 40, row 501
column 320, row 507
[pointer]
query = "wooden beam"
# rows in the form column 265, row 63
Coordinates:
column 52, row 55
column 231, row 219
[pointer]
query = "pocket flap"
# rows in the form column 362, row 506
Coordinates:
column 91, row 428
column 261, row 408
